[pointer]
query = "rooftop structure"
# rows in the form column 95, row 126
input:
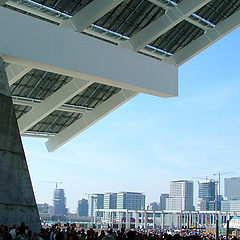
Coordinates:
column 83, row 59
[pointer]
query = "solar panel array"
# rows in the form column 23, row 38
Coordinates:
column 119, row 24
column 37, row 85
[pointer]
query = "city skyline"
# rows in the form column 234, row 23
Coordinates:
column 203, row 193
column 150, row 141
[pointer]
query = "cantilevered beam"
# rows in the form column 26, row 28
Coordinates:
column 206, row 40
column 164, row 23
column 15, row 72
column 51, row 103
column 84, row 57
column 91, row 13
column 89, row 119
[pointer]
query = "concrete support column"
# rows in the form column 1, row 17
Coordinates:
column 17, row 201
column 198, row 219
column 136, row 219
column 128, row 220
column 183, row 222
column 193, row 221
column 145, row 220
column 154, row 219
column 94, row 217
column 190, row 219
column 119, row 220
column 180, row 221
column 220, row 219
column 162, row 220
column 111, row 219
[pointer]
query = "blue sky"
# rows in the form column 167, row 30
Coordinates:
column 150, row 141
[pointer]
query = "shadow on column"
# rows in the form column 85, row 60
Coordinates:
column 17, row 201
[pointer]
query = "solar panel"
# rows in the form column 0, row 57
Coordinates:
column 117, row 26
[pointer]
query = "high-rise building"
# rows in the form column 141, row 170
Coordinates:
column 232, row 188
column 181, row 196
column 59, row 202
column 207, row 189
column 95, row 201
column 207, row 193
column 163, row 199
column 154, row 206
column 130, row 200
column 110, row 201
column 83, row 208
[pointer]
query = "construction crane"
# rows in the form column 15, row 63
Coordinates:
column 52, row 182
column 219, row 174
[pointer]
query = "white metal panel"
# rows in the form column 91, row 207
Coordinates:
column 74, row 54
column 164, row 23
column 89, row 119
column 51, row 103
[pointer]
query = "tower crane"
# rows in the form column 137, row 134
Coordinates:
column 219, row 174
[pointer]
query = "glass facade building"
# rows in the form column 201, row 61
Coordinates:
column 59, row 202
column 232, row 188
column 162, row 202
column 83, row 208
column 95, row 201
column 130, row 201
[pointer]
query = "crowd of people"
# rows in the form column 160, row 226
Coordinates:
column 55, row 232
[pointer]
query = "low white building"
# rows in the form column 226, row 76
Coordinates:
column 235, row 223
column 230, row 205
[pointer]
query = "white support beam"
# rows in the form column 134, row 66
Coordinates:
column 89, row 119
column 74, row 54
column 31, row 103
column 91, row 13
column 206, row 40
column 188, row 19
column 51, row 103
column 15, row 72
column 164, row 23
